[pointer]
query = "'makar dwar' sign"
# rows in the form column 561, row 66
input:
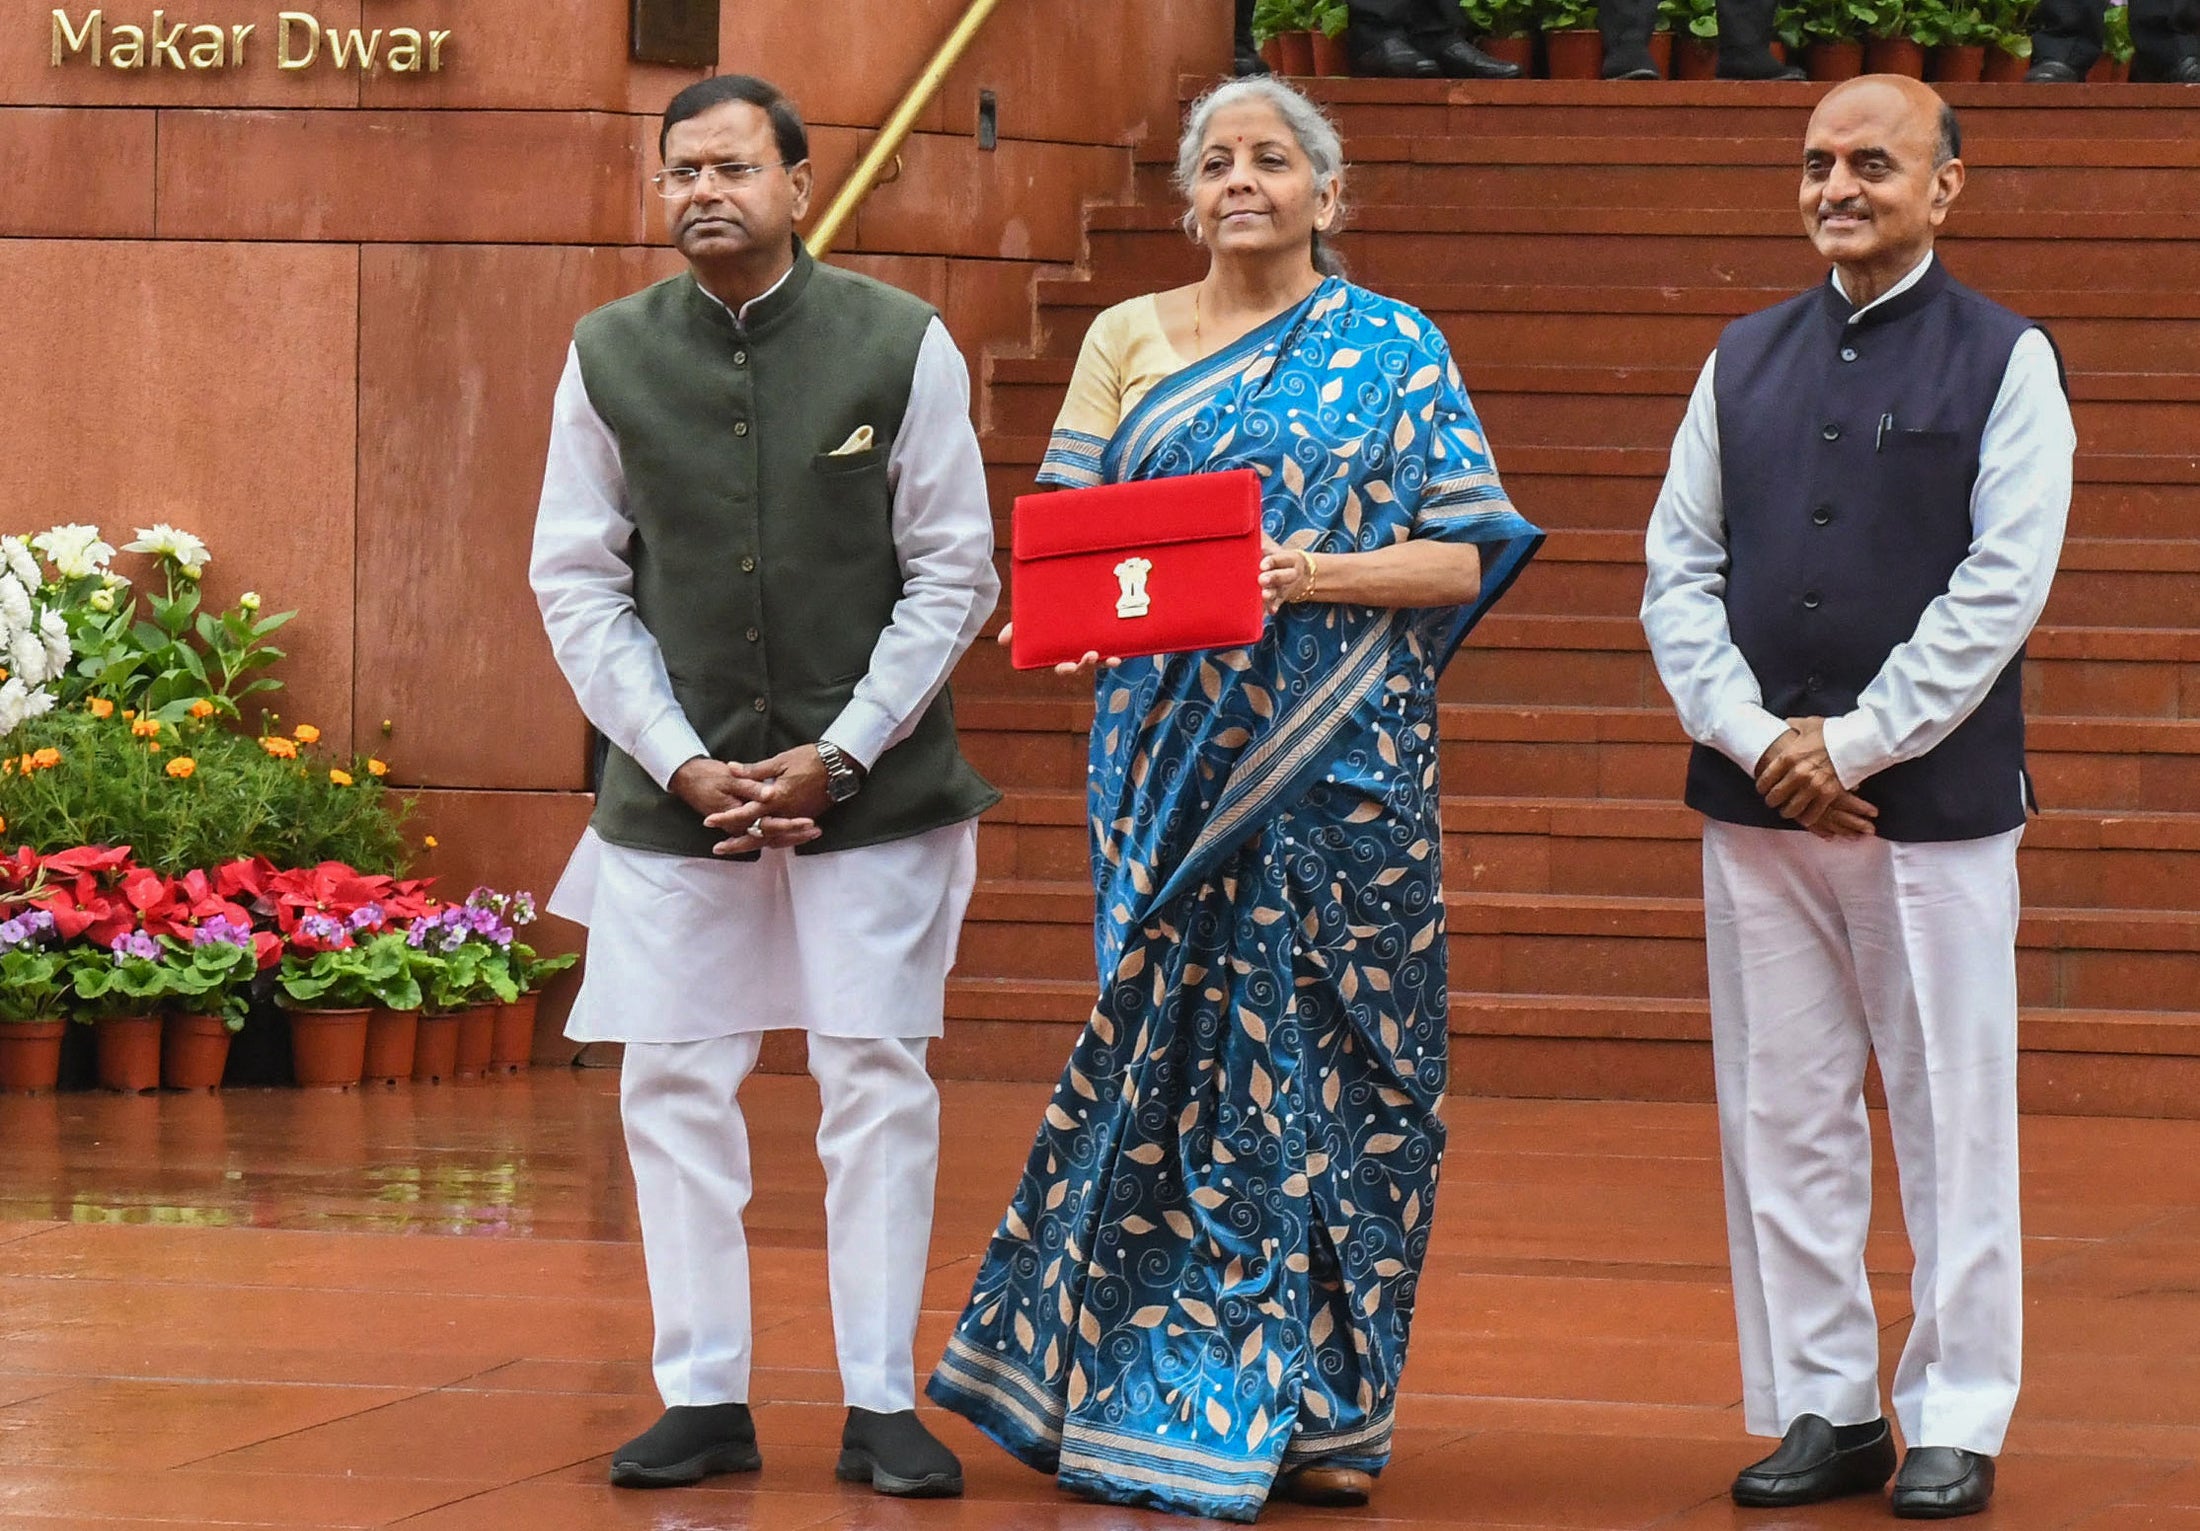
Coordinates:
column 297, row 37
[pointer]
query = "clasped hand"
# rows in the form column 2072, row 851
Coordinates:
column 1797, row 779
column 770, row 805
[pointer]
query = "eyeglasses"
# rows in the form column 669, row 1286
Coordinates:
column 679, row 180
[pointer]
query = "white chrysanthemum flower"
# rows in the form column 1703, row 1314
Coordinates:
column 249, row 601
column 27, row 657
column 20, row 563
column 74, row 550
column 114, row 581
column 37, row 705
column 179, row 547
column 101, row 600
column 54, row 633
column 15, row 605
column 14, row 700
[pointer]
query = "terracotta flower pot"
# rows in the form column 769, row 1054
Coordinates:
column 2004, row 67
column 194, row 1049
column 1834, row 61
column 1661, row 52
column 1511, row 50
column 30, row 1056
column 477, row 1035
column 1895, row 55
column 435, row 1048
column 1574, row 54
column 328, row 1048
column 1290, row 53
column 1695, row 58
column 129, row 1052
column 1957, row 64
column 391, row 1038
column 1331, row 56
column 514, row 1046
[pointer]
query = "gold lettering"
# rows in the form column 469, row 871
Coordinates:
column 284, row 24
column 165, row 47
column 404, row 54
column 128, row 51
column 68, row 39
column 343, row 53
column 209, row 49
column 237, row 35
column 436, row 40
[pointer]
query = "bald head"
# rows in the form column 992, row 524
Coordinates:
column 1881, row 167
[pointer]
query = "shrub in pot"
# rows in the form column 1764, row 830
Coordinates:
column 34, row 994
column 329, row 983
column 1505, row 29
column 1572, row 45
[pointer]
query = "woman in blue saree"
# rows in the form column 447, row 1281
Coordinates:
column 1202, row 1290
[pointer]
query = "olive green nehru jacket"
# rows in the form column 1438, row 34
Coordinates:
column 764, row 561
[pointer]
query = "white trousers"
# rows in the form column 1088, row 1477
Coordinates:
column 1822, row 951
column 879, row 1140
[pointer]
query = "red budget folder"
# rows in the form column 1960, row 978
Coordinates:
column 1159, row 566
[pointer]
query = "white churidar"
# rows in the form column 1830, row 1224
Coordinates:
column 1819, row 951
column 879, row 1142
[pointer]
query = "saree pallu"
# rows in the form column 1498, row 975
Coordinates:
column 1207, row 1273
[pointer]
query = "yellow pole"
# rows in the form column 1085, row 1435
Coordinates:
column 895, row 132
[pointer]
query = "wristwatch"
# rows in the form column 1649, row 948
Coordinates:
column 843, row 777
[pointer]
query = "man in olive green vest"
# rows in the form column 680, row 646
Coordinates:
column 764, row 541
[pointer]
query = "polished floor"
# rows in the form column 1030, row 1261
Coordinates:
column 425, row 1308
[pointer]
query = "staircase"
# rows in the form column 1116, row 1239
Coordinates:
column 1582, row 246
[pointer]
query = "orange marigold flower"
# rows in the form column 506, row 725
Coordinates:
column 153, row 749
column 100, row 707
column 145, row 728
column 202, row 708
column 431, row 842
column 3, row 826
column 182, row 766
column 129, row 712
column 341, row 778
column 47, row 758
column 379, row 768
column 280, row 748
column 307, row 734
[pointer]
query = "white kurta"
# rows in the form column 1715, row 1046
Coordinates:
column 1823, row 950
column 850, row 943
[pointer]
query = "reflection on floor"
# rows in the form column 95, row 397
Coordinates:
column 425, row 1307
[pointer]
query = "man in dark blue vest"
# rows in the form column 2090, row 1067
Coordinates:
column 1860, row 524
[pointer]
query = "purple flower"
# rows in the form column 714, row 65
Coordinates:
column 135, row 944
column 221, row 931
column 417, row 933
column 324, row 929
column 366, row 915
column 16, row 932
column 523, row 908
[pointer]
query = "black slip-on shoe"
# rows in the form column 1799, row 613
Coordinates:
column 1818, row 1461
column 1392, row 58
column 1462, row 60
column 2050, row 71
column 896, row 1455
column 1942, row 1482
column 688, row 1444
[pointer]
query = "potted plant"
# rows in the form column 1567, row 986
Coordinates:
column 121, row 989
column 194, row 1038
column 2009, row 44
column 1831, row 32
column 1888, row 46
column 2114, row 64
column 1955, row 34
column 1572, row 45
column 1505, row 28
column 1331, row 56
column 34, row 992
column 1284, row 29
column 329, row 983
column 525, row 970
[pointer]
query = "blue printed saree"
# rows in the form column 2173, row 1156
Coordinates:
column 1207, row 1273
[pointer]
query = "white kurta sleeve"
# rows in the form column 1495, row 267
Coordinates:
column 943, row 535
column 1966, row 638
column 1684, row 603
column 585, row 588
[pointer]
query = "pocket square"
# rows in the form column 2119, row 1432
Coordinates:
column 858, row 440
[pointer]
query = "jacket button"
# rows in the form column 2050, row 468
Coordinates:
column 753, row 635
column 1848, row 353
column 740, row 358
column 1822, row 515
column 759, row 704
column 1831, row 432
column 1810, row 600
column 748, row 566
column 740, row 427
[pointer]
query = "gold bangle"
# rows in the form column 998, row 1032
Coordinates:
column 1313, row 575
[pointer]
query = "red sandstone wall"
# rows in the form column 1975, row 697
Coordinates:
column 318, row 316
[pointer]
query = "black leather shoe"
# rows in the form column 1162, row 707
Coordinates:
column 1462, row 60
column 1247, row 62
column 1623, row 70
column 1392, row 58
column 1942, row 1482
column 690, row 1443
column 896, row 1455
column 1771, row 69
column 1817, row 1461
column 2051, row 72
column 2186, row 71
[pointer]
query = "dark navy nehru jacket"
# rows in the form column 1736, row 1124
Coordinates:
column 1847, row 455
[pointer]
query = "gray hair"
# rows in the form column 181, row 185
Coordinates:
column 1317, row 138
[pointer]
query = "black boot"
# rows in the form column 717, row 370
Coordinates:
column 1245, row 53
column 1626, row 25
column 1745, row 43
column 1818, row 1461
column 1942, row 1482
column 1388, row 56
column 2050, row 71
column 690, row 1443
column 896, row 1455
column 1462, row 60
